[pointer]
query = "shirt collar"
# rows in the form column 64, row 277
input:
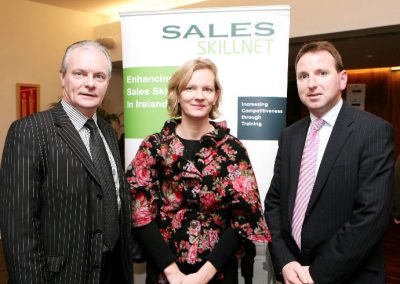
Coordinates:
column 331, row 116
column 77, row 118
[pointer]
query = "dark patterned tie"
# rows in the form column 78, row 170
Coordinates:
column 103, row 167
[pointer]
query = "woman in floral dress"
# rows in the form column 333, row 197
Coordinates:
column 195, row 196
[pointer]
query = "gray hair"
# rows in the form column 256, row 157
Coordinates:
column 86, row 43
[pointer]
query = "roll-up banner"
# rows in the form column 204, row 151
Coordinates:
column 249, row 45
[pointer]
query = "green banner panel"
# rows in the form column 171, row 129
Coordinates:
column 145, row 99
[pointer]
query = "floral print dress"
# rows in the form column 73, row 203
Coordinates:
column 194, row 202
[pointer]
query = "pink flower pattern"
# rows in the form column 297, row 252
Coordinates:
column 194, row 202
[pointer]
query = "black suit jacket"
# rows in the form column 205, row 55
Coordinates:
column 51, row 203
column 349, row 207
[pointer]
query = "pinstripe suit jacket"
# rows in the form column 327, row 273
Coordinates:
column 349, row 207
column 51, row 202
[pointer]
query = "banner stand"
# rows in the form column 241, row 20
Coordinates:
column 250, row 47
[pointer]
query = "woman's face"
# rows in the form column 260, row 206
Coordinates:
column 198, row 97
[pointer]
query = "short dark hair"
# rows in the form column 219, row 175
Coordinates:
column 320, row 46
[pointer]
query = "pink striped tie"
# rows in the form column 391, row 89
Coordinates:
column 306, row 179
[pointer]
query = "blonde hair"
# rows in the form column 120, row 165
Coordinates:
column 181, row 78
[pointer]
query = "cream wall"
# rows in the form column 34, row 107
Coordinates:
column 111, row 30
column 309, row 17
column 33, row 38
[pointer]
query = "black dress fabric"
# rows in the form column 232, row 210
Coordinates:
column 160, row 256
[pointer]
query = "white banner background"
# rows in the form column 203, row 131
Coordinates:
column 258, row 70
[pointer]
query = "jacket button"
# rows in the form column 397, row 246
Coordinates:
column 99, row 196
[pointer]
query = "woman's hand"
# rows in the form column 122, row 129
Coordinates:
column 203, row 276
column 174, row 275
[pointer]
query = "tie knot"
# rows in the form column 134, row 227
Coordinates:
column 317, row 124
column 91, row 124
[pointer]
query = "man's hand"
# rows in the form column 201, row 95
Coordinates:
column 308, row 275
column 294, row 273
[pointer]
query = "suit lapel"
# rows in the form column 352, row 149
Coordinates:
column 340, row 132
column 113, row 145
column 297, row 145
column 109, row 136
column 68, row 133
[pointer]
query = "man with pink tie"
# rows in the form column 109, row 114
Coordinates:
column 328, row 204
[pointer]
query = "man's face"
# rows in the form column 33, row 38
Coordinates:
column 85, row 80
column 319, row 84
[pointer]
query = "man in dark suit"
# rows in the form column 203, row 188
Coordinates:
column 63, row 219
column 329, row 201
